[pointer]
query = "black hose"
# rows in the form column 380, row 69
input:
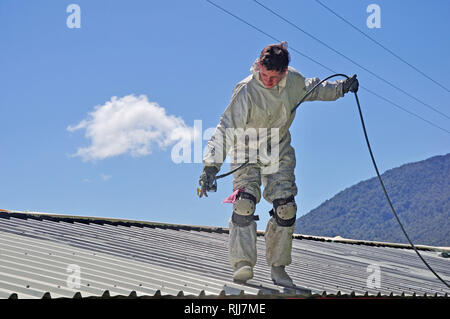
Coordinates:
column 231, row 172
column 376, row 169
column 389, row 200
column 310, row 91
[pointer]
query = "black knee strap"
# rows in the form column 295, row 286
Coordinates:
column 242, row 220
column 246, row 196
column 280, row 221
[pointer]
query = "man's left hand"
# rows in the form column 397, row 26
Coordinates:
column 351, row 85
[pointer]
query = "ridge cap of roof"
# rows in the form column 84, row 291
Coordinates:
column 108, row 220
column 339, row 239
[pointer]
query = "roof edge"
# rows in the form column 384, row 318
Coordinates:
column 139, row 223
column 339, row 239
column 112, row 221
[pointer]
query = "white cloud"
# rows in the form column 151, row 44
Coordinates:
column 130, row 124
column 105, row 177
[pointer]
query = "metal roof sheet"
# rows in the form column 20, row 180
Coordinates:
column 39, row 254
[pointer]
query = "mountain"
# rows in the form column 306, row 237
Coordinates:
column 420, row 194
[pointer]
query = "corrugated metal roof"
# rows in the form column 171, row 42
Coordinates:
column 40, row 255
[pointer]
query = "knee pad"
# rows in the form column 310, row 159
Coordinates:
column 244, row 209
column 284, row 211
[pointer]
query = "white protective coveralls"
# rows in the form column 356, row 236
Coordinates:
column 253, row 105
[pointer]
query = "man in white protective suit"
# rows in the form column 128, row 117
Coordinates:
column 262, row 103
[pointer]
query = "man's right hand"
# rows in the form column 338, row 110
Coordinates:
column 207, row 180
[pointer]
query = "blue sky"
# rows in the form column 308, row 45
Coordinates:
column 183, row 58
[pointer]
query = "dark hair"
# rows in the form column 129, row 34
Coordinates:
column 275, row 57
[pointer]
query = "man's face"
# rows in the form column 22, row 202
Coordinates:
column 270, row 78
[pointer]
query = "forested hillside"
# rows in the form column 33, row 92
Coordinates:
column 420, row 193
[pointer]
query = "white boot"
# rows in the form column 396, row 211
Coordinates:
column 280, row 277
column 243, row 272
